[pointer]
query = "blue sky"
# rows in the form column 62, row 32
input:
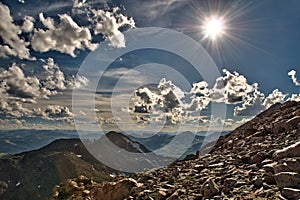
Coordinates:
column 40, row 55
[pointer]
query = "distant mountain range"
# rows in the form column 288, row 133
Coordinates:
column 18, row 141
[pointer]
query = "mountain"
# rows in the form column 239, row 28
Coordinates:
column 258, row 160
column 124, row 154
column 159, row 140
column 33, row 174
column 17, row 141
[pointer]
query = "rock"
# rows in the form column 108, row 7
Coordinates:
column 280, row 168
column 269, row 167
column 237, row 160
column 269, row 178
column 3, row 187
column 279, row 127
column 209, row 188
column 292, row 124
column 257, row 182
column 86, row 192
column 199, row 168
column 161, row 195
column 293, row 164
column 259, row 157
column 290, row 151
column 82, row 179
column 176, row 194
column 228, row 185
column 116, row 190
column 291, row 193
column 70, row 185
column 287, row 179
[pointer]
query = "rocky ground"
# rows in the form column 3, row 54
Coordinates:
column 259, row 160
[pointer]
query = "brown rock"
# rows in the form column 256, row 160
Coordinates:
column 228, row 185
column 269, row 178
column 259, row 157
column 290, row 151
column 291, row 193
column 292, row 124
column 116, row 190
column 279, row 127
column 287, row 179
column 176, row 194
column 70, row 185
column 257, row 182
column 293, row 165
column 280, row 168
column 209, row 188
column 3, row 187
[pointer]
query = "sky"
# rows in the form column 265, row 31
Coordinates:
column 46, row 45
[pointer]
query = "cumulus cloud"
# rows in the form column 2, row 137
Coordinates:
column 294, row 97
column 57, row 111
column 20, row 91
column 199, row 96
column 252, row 105
column 256, row 102
column 64, row 37
column 15, row 83
column 109, row 23
column 275, row 97
column 231, row 88
column 13, row 44
column 164, row 102
column 28, row 24
column 292, row 74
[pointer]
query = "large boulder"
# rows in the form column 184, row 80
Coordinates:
column 290, row 151
column 115, row 190
column 292, row 123
column 287, row 180
column 291, row 193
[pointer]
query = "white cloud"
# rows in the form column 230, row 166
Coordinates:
column 275, row 97
column 54, row 78
column 163, row 103
column 108, row 23
column 6, row 51
column 18, row 91
column 15, row 83
column 257, row 102
column 199, row 96
column 292, row 74
column 252, row 105
column 57, row 111
column 231, row 88
column 28, row 24
column 10, row 34
column 64, row 37
column 294, row 97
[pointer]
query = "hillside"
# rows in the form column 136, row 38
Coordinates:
column 33, row 174
column 259, row 160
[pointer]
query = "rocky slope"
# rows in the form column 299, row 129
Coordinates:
column 259, row 160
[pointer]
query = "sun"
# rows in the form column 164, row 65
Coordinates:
column 213, row 28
